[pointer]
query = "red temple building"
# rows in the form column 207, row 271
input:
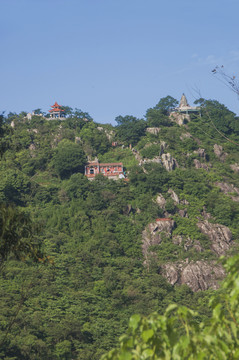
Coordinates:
column 111, row 170
column 57, row 112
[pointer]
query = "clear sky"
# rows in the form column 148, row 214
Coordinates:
column 115, row 57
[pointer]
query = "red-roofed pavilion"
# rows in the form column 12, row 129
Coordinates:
column 56, row 111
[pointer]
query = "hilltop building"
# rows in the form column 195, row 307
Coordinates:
column 57, row 112
column 111, row 170
column 181, row 114
column 185, row 108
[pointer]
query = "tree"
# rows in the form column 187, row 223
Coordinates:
column 158, row 115
column 68, row 159
column 166, row 104
column 130, row 129
column 16, row 234
column 176, row 334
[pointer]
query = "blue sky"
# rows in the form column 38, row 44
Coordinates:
column 115, row 57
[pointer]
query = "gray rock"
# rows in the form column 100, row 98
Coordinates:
column 219, row 235
column 199, row 165
column 199, row 275
column 201, row 152
column 153, row 130
column 180, row 119
column 183, row 213
column 152, row 234
column 174, row 196
column 218, row 151
column 235, row 167
column 169, row 162
column 160, row 201
column 227, row 189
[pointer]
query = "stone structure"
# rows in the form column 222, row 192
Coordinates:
column 181, row 114
column 185, row 108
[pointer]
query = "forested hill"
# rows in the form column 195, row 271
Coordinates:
column 79, row 257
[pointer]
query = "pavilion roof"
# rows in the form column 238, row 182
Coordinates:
column 56, row 108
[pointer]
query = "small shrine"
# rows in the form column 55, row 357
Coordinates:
column 57, row 112
column 185, row 108
column 181, row 114
column 111, row 170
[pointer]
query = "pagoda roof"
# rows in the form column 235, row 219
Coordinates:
column 56, row 107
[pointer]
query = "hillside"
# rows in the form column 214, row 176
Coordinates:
column 103, row 250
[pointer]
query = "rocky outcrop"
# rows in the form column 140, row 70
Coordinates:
column 169, row 162
column 183, row 213
column 186, row 135
column 235, row 167
column 201, row 153
column 152, row 235
column 219, row 235
column 153, row 130
column 160, row 200
column 179, row 118
column 174, row 196
column 229, row 188
column 199, row 165
column 198, row 275
column 218, row 151
column 187, row 243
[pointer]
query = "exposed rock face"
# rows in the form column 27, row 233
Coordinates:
column 183, row 213
column 186, row 135
column 235, row 167
column 153, row 130
column 152, row 234
column 218, row 151
column 160, row 201
column 199, row 165
column 199, row 275
column 174, row 196
column 228, row 188
column 156, row 159
column 180, row 119
column 169, row 162
column 201, row 152
column 219, row 235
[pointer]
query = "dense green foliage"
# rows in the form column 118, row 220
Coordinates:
column 177, row 334
column 81, row 273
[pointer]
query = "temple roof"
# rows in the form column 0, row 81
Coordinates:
column 56, row 107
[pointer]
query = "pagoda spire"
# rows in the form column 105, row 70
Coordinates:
column 183, row 102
